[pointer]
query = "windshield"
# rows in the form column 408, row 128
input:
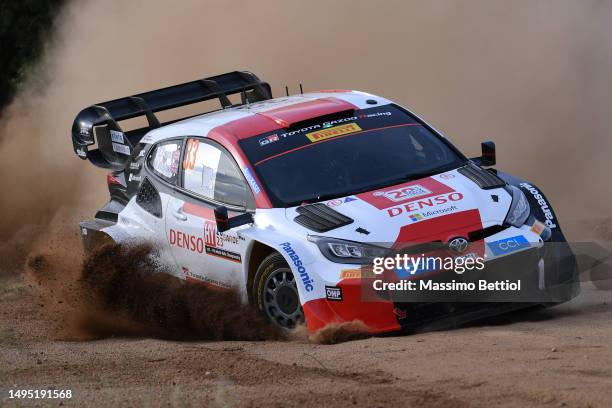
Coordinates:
column 353, row 152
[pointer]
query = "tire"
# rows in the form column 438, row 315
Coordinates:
column 275, row 292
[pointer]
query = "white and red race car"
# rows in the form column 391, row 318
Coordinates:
column 287, row 198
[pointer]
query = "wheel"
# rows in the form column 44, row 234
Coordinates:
column 275, row 292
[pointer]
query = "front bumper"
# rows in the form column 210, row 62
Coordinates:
column 551, row 269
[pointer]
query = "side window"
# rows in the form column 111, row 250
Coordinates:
column 164, row 160
column 212, row 173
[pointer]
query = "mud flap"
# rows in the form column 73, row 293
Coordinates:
column 92, row 235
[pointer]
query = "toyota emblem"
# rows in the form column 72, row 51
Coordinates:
column 458, row 244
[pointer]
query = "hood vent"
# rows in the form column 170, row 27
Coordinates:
column 483, row 178
column 320, row 218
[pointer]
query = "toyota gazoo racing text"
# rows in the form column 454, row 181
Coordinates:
column 289, row 199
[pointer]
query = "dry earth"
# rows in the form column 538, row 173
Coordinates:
column 556, row 357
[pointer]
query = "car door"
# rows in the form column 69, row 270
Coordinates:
column 144, row 217
column 209, row 177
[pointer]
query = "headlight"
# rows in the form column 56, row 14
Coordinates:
column 519, row 209
column 348, row 252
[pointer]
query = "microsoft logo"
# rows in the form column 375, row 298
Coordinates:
column 415, row 217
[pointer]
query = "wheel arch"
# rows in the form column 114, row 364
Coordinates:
column 258, row 252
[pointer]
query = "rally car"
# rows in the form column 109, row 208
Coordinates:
column 287, row 198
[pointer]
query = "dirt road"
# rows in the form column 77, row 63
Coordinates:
column 556, row 357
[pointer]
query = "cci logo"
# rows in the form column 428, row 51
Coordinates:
column 504, row 246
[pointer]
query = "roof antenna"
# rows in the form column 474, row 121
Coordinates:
column 301, row 90
column 287, row 90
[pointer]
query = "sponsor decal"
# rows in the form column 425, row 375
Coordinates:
column 210, row 233
column 334, row 203
column 214, row 238
column 251, row 180
column 268, row 139
column 417, row 205
column 134, row 177
column 407, row 192
column 548, row 214
column 333, row 293
column 404, row 193
column 538, row 227
column 297, row 262
column 190, row 242
column 116, row 136
column 196, row 276
column 141, row 153
column 207, row 244
column 350, row 274
column 119, row 148
column 447, row 176
column 84, row 131
column 338, row 201
column 81, row 152
column 400, row 313
column 328, row 125
column 507, row 245
column 415, row 217
column 333, row 132
column 223, row 253
column 134, row 166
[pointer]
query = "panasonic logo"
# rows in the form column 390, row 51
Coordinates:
column 295, row 258
column 542, row 203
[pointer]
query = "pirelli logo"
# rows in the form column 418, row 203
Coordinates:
column 333, row 132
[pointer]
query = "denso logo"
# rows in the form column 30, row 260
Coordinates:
column 424, row 203
column 299, row 266
column 404, row 193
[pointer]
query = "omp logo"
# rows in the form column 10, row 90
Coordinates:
column 333, row 132
column 333, row 293
column 404, row 193
column 430, row 202
column 299, row 266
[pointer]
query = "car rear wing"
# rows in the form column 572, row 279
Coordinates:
column 98, row 124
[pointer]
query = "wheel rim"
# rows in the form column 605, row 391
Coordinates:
column 281, row 299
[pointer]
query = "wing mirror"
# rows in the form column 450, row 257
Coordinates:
column 488, row 154
column 224, row 222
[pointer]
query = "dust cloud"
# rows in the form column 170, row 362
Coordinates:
column 530, row 75
column 121, row 290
